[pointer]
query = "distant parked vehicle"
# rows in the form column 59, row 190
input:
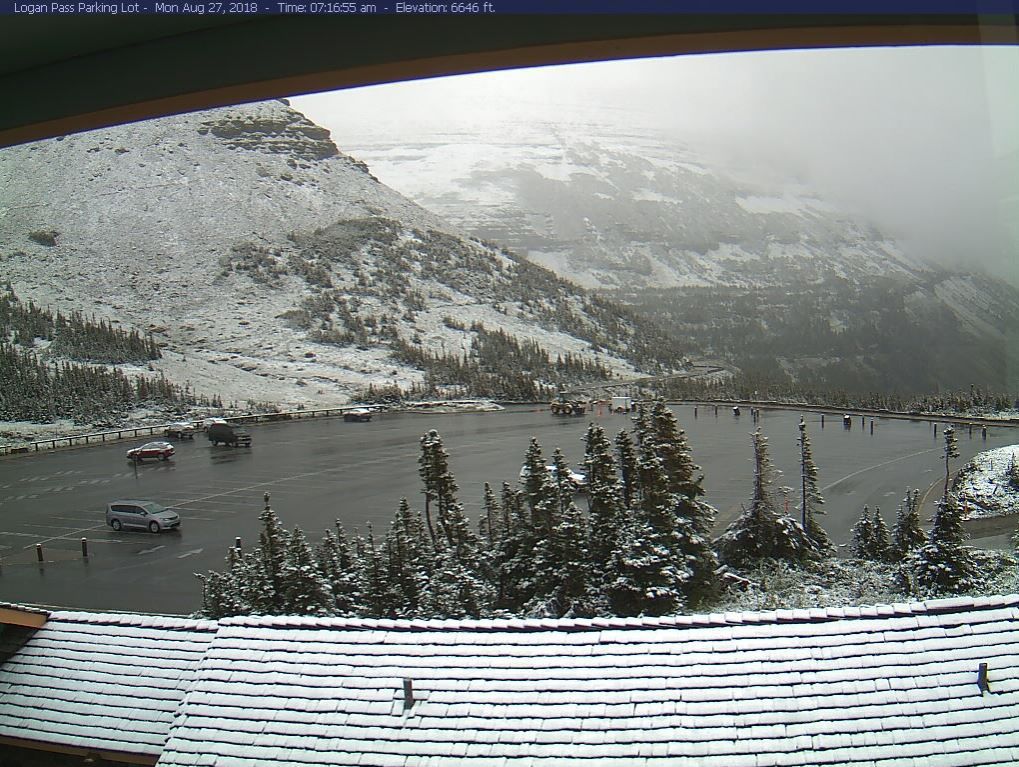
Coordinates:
column 568, row 407
column 357, row 414
column 578, row 480
column 228, row 435
column 622, row 404
column 207, row 422
column 160, row 450
column 180, row 430
column 141, row 515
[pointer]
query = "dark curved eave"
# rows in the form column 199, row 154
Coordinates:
column 66, row 74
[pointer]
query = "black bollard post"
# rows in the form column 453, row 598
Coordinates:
column 822, row 420
column 237, row 543
column 38, row 552
column 84, row 547
column 871, row 425
column 695, row 411
column 983, row 432
column 935, row 431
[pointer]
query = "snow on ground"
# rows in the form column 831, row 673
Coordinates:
column 983, row 485
column 849, row 582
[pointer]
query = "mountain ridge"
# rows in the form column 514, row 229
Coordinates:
column 266, row 261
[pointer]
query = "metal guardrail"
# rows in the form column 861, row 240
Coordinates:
column 114, row 435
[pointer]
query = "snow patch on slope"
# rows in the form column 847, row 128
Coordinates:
column 983, row 485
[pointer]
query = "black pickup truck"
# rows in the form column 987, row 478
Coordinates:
column 228, row 435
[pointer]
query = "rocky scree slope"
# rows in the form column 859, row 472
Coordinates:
column 271, row 266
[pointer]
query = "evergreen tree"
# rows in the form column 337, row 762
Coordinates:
column 433, row 469
column 265, row 574
column 642, row 579
column 538, row 490
column 943, row 564
column 457, row 580
column 488, row 525
column 862, row 546
column 811, row 499
column 372, row 584
column 407, row 553
column 515, row 581
column 652, row 563
column 907, row 536
column 337, row 565
column 304, row 591
column 626, row 451
column 762, row 531
column 687, row 530
column 221, row 592
column 880, row 537
column 950, row 451
column 604, row 498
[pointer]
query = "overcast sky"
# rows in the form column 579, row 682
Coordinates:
column 925, row 141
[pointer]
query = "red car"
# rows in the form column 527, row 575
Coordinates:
column 160, row 450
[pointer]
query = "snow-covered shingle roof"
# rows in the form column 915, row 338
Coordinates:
column 101, row 682
column 884, row 686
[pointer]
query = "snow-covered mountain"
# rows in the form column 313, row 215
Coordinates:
column 608, row 206
column 719, row 255
column 269, row 264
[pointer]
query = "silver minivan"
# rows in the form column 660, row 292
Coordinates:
column 141, row 515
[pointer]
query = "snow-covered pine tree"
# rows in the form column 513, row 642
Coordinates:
column 222, row 593
column 304, row 590
column 407, row 553
column 604, row 498
column 215, row 594
column 907, row 535
column 651, row 562
column 762, row 531
column 432, row 466
column 641, row 581
column 641, row 424
column 950, row 451
column 880, row 537
column 943, row 564
column 561, row 562
column 693, row 519
column 488, row 525
column 265, row 576
column 514, row 560
column 337, row 565
column 373, row 586
column 672, row 446
column 626, row 452
column 457, row 581
column 862, row 544
column 538, row 490
column 811, row 499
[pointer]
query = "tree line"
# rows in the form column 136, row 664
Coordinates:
column 750, row 386
column 72, row 336
column 643, row 546
column 47, row 386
